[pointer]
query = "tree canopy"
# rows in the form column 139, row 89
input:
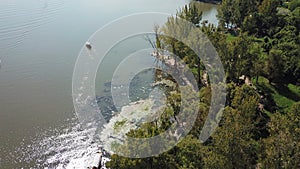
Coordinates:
column 258, row 43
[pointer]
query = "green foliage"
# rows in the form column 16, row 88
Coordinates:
column 186, row 155
column 288, row 43
column 263, row 44
column 234, row 143
column 294, row 4
column 282, row 148
column 226, row 13
column 119, row 124
column 279, row 97
column 233, row 12
column 230, row 38
column 240, row 55
column 275, row 66
column 191, row 13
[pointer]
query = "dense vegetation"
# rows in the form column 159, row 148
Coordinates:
column 258, row 43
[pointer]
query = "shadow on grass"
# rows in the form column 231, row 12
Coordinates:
column 283, row 90
column 268, row 101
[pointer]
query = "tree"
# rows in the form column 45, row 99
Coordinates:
column 294, row 4
column 233, row 143
column 240, row 57
column 254, row 24
column 288, row 43
column 191, row 13
column 226, row 13
column 275, row 66
column 269, row 17
column 232, row 13
column 282, row 148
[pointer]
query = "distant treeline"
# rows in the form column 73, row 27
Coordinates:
column 211, row 1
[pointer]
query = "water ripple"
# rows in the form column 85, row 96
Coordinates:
column 60, row 149
column 18, row 18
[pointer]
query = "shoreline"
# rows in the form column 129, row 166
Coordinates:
column 215, row 2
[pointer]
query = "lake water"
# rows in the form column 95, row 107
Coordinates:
column 39, row 44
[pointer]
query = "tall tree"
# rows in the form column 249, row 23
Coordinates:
column 233, row 12
column 191, row 13
column 226, row 13
column 233, row 144
column 282, row 148
column 275, row 66
column 269, row 16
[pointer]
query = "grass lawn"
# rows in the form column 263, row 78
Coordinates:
column 230, row 37
column 283, row 95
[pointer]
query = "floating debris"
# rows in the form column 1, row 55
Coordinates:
column 88, row 45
